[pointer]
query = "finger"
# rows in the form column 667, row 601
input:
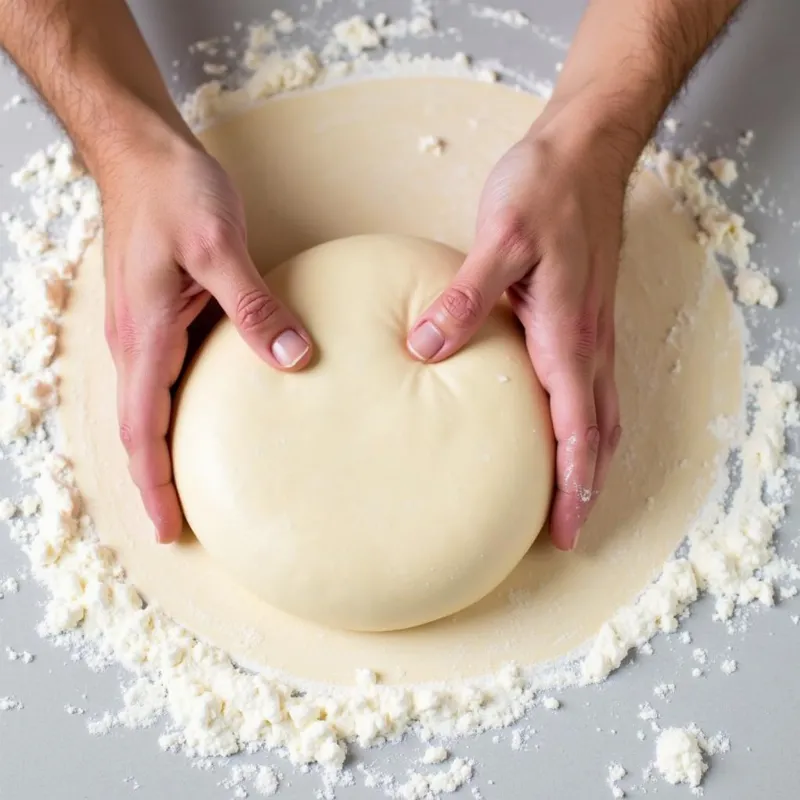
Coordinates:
column 608, row 419
column 223, row 266
column 572, row 408
column 497, row 260
column 145, row 378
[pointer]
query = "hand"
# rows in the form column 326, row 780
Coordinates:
column 549, row 234
column 175, row 237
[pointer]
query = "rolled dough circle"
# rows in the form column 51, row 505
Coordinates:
column 679, row 360
column 368, row 492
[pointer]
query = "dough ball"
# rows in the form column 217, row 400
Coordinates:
column 368, row 492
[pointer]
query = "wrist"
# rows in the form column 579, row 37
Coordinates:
column 609, row 127
column 134, row 133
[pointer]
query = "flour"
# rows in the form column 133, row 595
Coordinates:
column 431, row 145
column 19, row 655
column 7, row 509
column 679, row 757
column 355, row 35
column 14, row 101
column 616, row 772
column 431, row 786
column 720, row 229
column 263, row 781
column 435, row 755
column 664, row 691
column 755, row 288
column 724, row 170
column 512, row 18
column 727, row 547
column 215, row 709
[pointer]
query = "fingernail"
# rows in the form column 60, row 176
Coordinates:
column 426, row 341
column 289, row 348
column 593, row 438
column 616, row 436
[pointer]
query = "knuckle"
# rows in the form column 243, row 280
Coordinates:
column 583, row 337
column 255, row 308
column 511, row 237
column 127, row 337
column 211, row 240
column 463, row 304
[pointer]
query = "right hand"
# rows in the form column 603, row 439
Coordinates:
column 548, row 234
column 175, row 236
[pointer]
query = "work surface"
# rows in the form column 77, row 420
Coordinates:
column 750, row 83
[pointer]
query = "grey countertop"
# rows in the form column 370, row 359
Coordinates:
column 751, row 82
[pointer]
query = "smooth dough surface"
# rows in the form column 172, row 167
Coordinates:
column 342, row 161
column 368, row 492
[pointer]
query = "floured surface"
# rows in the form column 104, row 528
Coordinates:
column 327, row 164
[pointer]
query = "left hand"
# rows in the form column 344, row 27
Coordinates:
column 549, row 233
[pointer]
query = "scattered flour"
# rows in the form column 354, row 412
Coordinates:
column 7, row 509
column 724, row 170
column 261, row 780
column 679, row 757
column 664, row 691
column 265, row 782
column 435, row 755
column 616, row 772
column 755, row 288
column 9, row 704
column 719, row 228
column 431, row 786
column 14, row 101
column 19, row 655
column 729, row 666
column 356, row 35
column 431, row 145
column 512, row 18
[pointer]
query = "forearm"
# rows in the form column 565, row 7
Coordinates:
column 629, row 59
column 89, row 62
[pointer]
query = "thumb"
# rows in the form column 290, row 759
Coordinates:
column 268, row 327
column 460, row 310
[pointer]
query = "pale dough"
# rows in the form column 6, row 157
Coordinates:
column 369, row 492
column 336, row 162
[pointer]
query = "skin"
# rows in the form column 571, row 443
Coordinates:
column 549, row 224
